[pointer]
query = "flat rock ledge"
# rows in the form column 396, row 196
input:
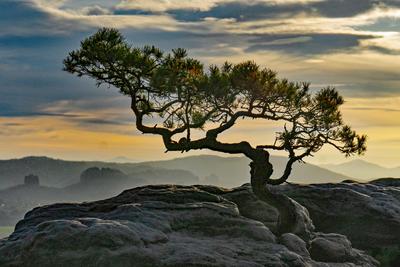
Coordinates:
column 170, row 225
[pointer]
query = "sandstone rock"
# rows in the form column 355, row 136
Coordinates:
column 148, row 226
column 162, row 225
column 330, row 248
column 386, row 182
column 249, row 206
column 368, row 214
column 295, row 244
column 304, row 226
column 335, row 248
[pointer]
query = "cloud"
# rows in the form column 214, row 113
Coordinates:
column 54, row 137
column 197, row 5
column 99, row 121
column 243, row 11
column 31, row 55
column 385, row 24
column 308, row 44
column 351, row 44
column 19, row 17
column 344, row 8
column 95, row 11
column 389, row 44
column 197, row 10
column 158, row 6
column 383, row 50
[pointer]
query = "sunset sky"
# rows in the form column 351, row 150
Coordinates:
column 353, row 45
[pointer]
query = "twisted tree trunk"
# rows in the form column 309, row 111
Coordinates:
column 261, row 168
column 261, row 171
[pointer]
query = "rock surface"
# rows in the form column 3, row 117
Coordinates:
column 163, row 226
column 368, row 214
column 295, row 244
column 249, row 206
column 333, row 248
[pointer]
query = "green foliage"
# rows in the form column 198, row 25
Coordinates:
column 185, row 95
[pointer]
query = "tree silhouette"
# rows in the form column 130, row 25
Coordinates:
column 180, row 96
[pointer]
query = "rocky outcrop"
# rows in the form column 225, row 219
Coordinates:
column 253, row 208
column 386, row 182
column 295, row 244
column 333, row 248
column 167, row 225
column 368, row 214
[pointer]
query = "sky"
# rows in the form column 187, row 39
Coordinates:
column 352, row 45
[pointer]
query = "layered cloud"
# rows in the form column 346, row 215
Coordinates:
column 290, row 36
column 351, row 44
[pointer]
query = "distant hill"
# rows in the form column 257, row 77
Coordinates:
column 123, row 160
column 61, row 173
column 223, row 171
column 360, row 169
column 234, row 171
column 17, row 200
column 94, row 184
column 97, row 183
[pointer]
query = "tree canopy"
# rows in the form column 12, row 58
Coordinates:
column 184, row 95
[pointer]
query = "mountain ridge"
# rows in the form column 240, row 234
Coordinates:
column 212, row 169
column 359, row 168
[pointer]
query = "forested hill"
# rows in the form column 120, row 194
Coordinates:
column 223, row 171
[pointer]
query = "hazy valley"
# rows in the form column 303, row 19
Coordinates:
column 69, row 181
